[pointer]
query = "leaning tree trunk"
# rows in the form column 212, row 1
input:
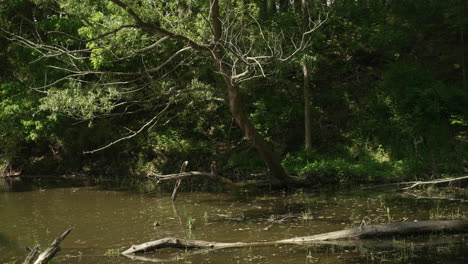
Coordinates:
column 235, row 105
column 266, row 153
column 307, row 123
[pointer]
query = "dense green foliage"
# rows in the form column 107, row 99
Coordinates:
column 389, row 98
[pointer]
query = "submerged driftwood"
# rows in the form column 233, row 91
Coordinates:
column 182, row 175
column 439, row 198
column 213, row 175
column 413, row 184
column 437, row 181
column 48, row 253
column 368, row 244
column 459, row 226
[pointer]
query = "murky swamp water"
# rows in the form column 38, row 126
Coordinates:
column 108, row 222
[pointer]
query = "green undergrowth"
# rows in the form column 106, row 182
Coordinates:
column 321, row 169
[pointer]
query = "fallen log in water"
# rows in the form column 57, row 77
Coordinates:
column 412, row 184
column 458, row 226
column 48, row 253
column 354, row 243
column 439, row 198
column 405, row 228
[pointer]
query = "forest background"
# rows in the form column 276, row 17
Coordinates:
column 380, row 85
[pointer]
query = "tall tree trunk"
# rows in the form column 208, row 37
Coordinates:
column 307, row 124
column 235, row 104
column 305, row 72
column 265, row 151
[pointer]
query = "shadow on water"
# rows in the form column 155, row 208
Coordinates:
column 31, row 183
column 5, row 184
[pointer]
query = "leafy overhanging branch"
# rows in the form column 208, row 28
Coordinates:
column 236, row 57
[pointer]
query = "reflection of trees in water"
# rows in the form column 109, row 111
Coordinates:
column 17, row 184
column 5, row 185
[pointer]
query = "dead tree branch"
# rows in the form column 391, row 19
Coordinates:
column 417, row 183
column 177, row 185
column 157, row 29
column 413, row 184
column 404, row 228
column 440, row 198
column 49, row 253
column 182, row 175
column 33, row 252
column 154, row 120
column 238, row 45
